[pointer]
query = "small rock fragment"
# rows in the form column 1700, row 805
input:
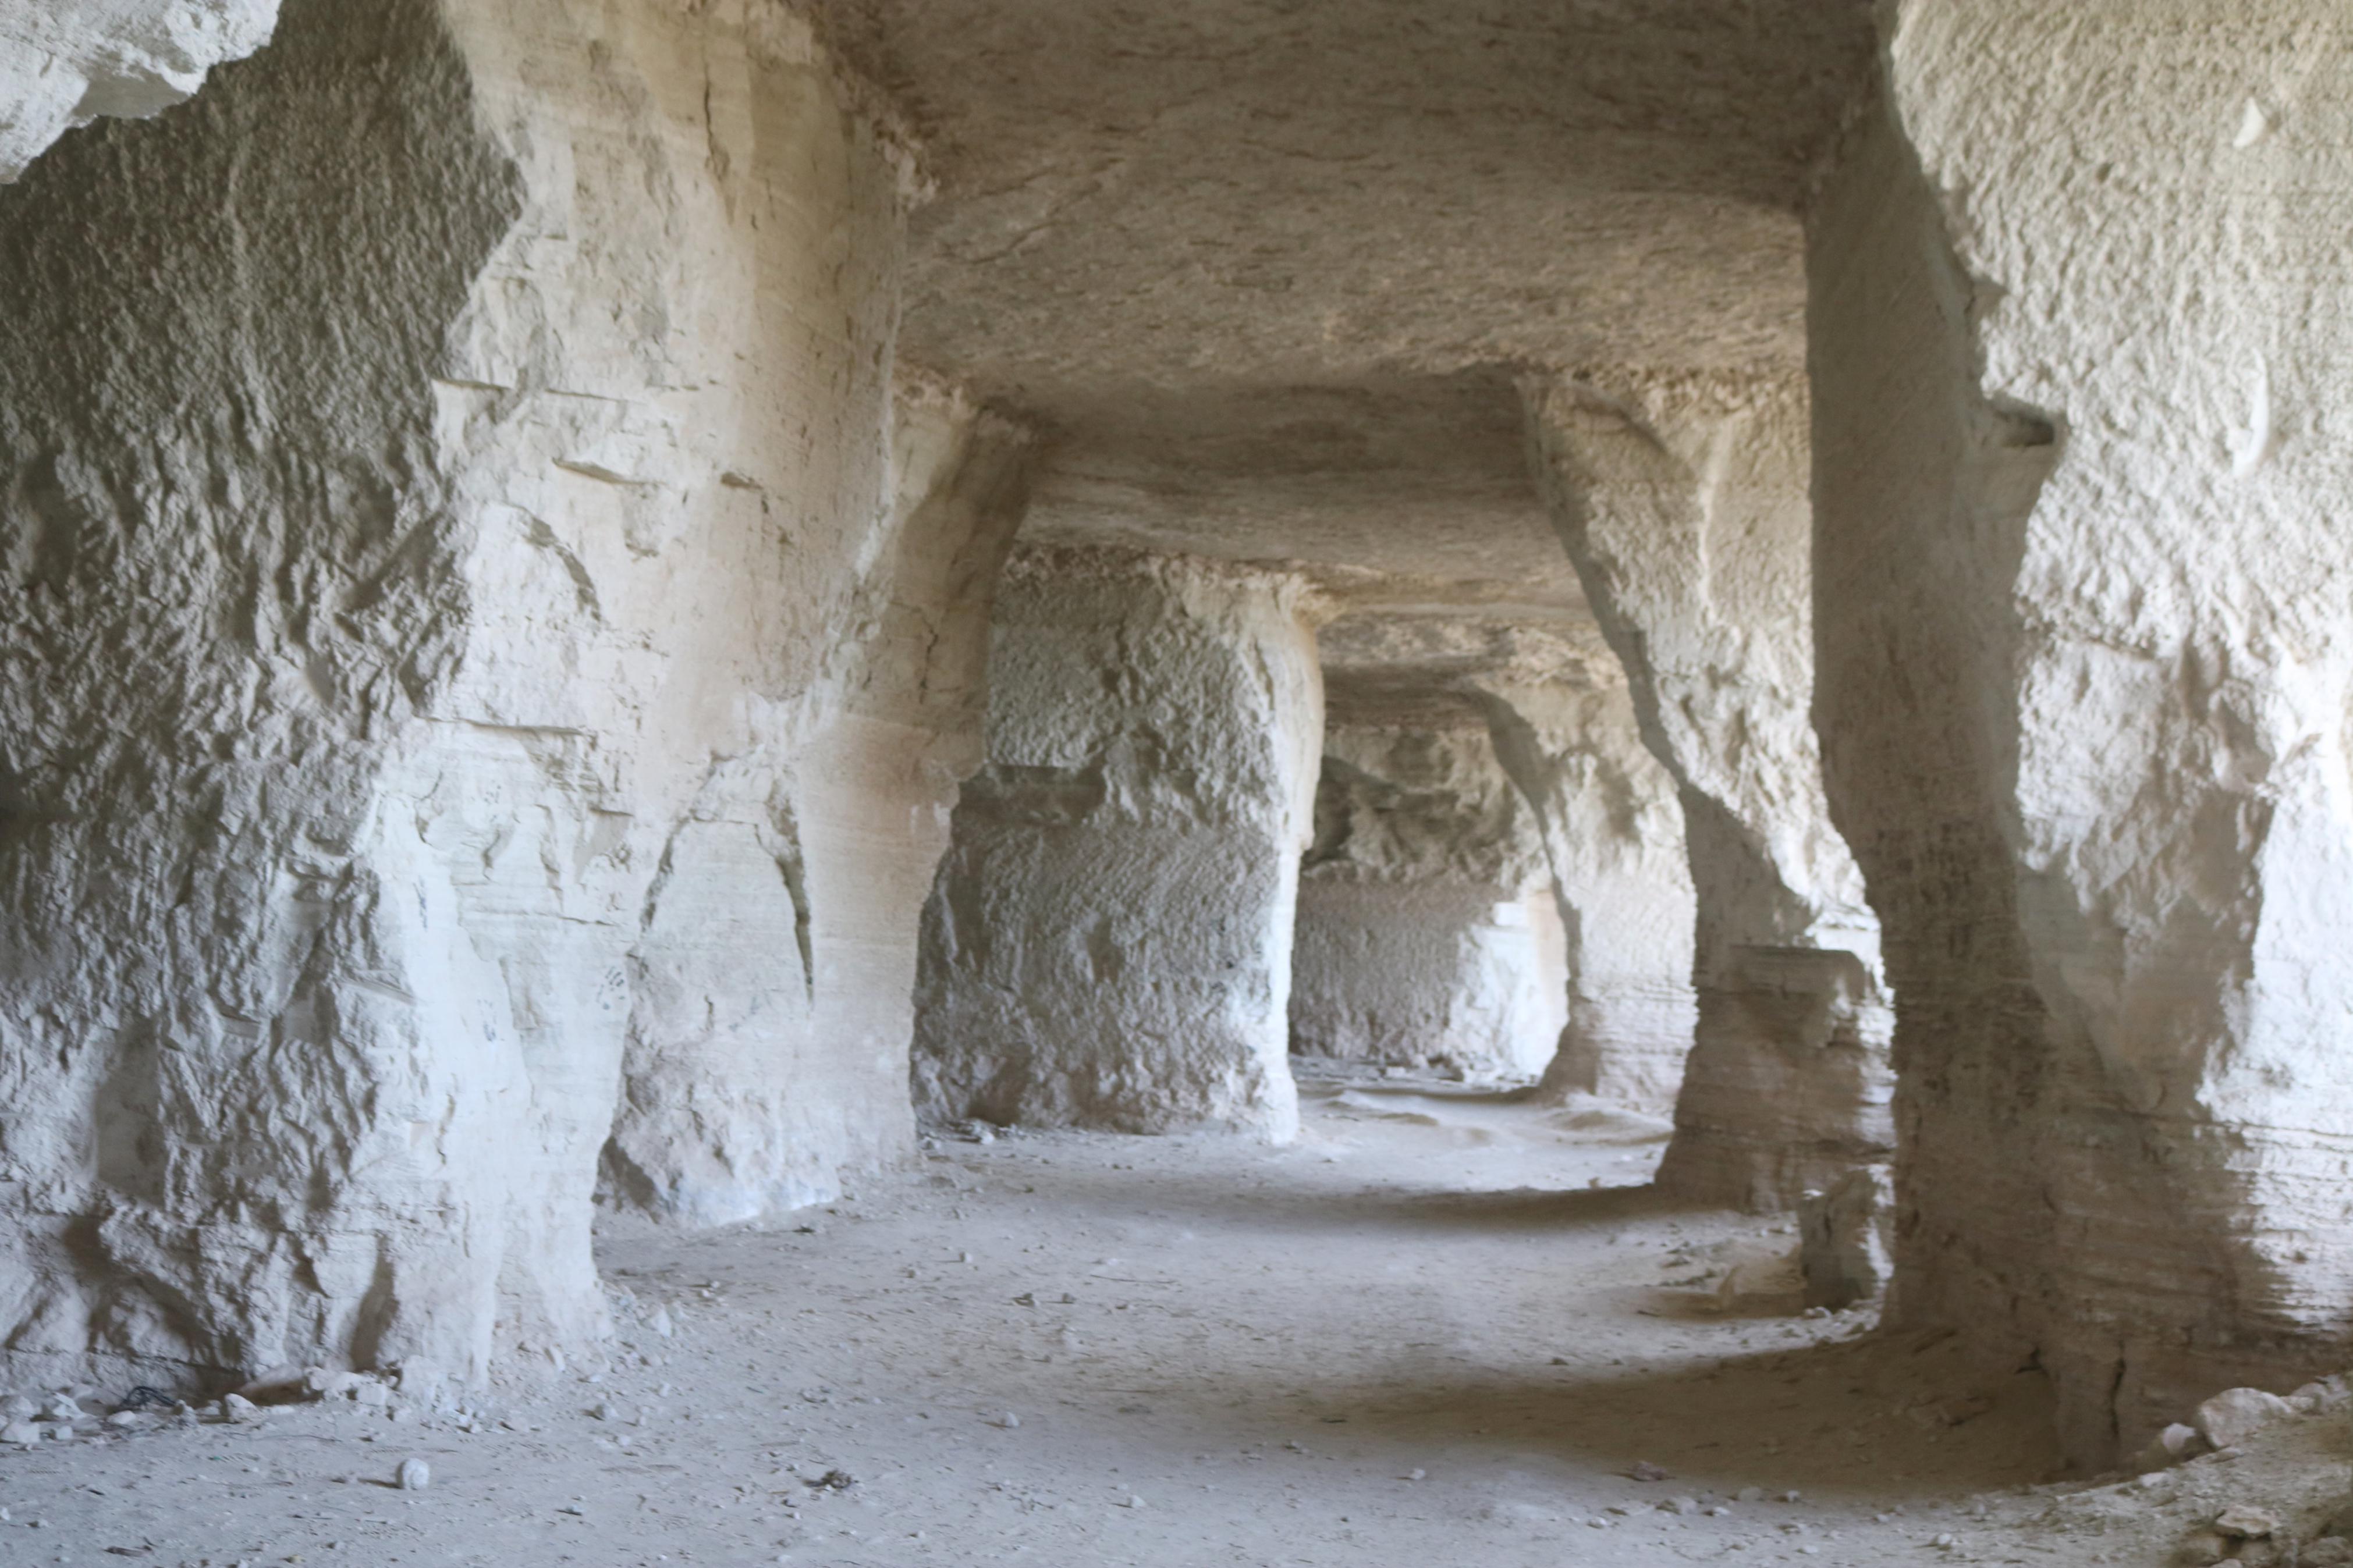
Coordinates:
column 2169, row 1447
column 2330, row 1393
column 2236, row 1414
column 415, row 1475
column 25, row 1433
column 1643, row 1470
column 2243, row 1523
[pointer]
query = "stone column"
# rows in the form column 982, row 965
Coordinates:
column 1683, row 505
column 2080, row 318
column 1109, row 941
column 1426, row 933
column 432, row 555
column 1612, row 833
column 763, row 1065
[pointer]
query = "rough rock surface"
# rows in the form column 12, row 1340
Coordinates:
column 764, row 1012
column 1612, row 831
column 2084, row 666
column 1299, row 203
column 1554, row 700
column 2228, row 1418
column 1108, row 943
column 1845, row 1238
column 1683, row 503
column 64, row 63
column 1427, row 933
column 416, row 665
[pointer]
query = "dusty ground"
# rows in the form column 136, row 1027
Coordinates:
column 1424, row 1336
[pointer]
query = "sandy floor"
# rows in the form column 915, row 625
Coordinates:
column 1441, row 1330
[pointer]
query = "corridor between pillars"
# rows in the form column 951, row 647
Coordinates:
column 2079, row 361
column 1427, row 934
column 1108, row 943
column 1684, row 504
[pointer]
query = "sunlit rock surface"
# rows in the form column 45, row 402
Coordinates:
column 462, row 602
column 2084, row 670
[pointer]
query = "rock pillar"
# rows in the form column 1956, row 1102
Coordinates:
column 1611, row 830
column 1683, row 505
column 772, row 1001
column 1426, row 934
column 2079, row 326
column 1109, row 941
column 436, row 558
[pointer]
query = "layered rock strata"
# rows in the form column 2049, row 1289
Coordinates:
column 772, row 1011
column 64, row 63
column 1611, row 829
column 465, row 653
column 1427, row 933
column 1109, row 941
column 2085, row 667
column 1684, row 504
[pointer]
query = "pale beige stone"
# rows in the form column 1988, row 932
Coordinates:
column 1109, row 941
column 2083, row 657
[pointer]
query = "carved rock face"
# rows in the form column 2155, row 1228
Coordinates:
column 64, row 65
column 2084, row 679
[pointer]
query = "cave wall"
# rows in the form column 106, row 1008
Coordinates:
column 465, row 676
column 1426, row 934
column 1683, row 503
column 1610, row 827
column 1108, row 943
column 65, row 63
column 2078, row 317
